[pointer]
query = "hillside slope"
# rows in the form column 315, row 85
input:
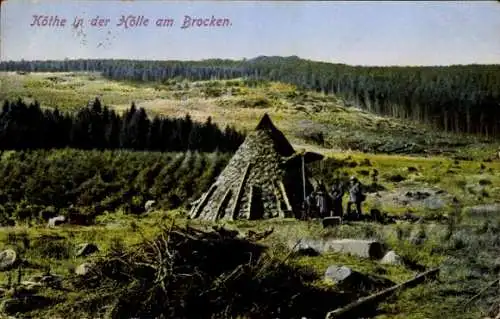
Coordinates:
column 308, row 118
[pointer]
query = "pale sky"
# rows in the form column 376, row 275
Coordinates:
column 356, row 33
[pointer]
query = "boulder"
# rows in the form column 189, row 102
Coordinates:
column 8, row 260
column 357, row 247
column 86, row 249
column 83, row 269
column 56, row 221
column 347, row 278
column 331, row 221
column 391, row 258
column 149, row 205
column 338, row 274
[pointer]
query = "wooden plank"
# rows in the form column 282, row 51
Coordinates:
column 198, row 208
column 344, row 312
column 240, row 192
column 250, row 202
column 285, row 196
column 223, row 204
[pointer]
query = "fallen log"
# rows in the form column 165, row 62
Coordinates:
column 344, row 312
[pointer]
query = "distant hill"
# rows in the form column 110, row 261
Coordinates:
column 458, row 98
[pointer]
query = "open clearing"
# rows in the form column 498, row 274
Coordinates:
column 466, row 245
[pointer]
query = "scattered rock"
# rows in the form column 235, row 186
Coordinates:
column 86, row 249
column 56, row 221
column 338, row 274
column 391, row 258
column 8, row 260
column 357, row 247
column 345, row 277
column 149, row 205
column 331, row 221
column 83, row 269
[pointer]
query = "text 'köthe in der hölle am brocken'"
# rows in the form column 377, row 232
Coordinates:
column 130, row 21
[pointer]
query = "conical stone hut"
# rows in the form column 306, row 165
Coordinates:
column 264, row 179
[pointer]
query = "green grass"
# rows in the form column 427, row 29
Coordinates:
column 425, row 301
column 471, row 249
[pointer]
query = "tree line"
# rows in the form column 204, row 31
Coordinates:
column 28, row 126
column 459, row 98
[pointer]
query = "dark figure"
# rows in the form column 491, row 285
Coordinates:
column 322, row 204
column 311, row 204
column 321, row 187
column 356, row 196
column 337, row 194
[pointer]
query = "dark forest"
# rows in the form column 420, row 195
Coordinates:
column 24, row 126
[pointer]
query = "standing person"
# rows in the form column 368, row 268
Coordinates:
column 311, row 204
column 322, row 203
column 356, row 196
column 337, row 196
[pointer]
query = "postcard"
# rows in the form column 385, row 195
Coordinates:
column 249, row 159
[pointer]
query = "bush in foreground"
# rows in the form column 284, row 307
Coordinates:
column 188, row 273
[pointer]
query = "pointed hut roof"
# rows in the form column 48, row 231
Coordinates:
column 260, row 180
column 281, row 144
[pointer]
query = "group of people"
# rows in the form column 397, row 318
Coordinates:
column 321, row 203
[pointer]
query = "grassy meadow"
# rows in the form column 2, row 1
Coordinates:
column 446, row 165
